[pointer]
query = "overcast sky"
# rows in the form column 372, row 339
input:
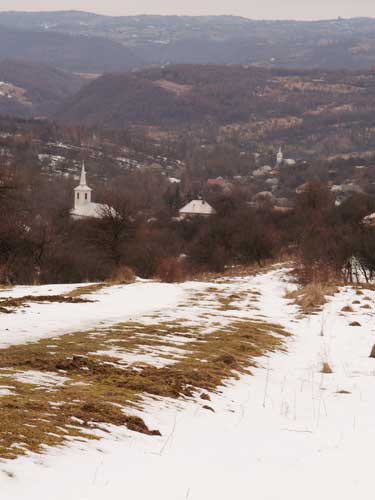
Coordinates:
column 259, row 9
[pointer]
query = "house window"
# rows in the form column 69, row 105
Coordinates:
column 77, row 196
column 85, row 196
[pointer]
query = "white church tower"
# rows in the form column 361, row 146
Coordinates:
column 82, row 193
column 83, row 206
column 279, row 158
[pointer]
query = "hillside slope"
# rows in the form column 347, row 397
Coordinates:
column 171, row 96
column 326, row 111
column 28, row 89
column 72, row 53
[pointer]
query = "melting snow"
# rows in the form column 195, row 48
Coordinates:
column 287, row 432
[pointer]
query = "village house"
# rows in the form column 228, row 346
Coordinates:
column 369, row 220
column 219, row 181
column 83, row 206
column 196, row 208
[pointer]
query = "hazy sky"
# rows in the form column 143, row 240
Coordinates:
column 260, row 9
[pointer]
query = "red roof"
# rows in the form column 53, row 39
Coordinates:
column 219, row 181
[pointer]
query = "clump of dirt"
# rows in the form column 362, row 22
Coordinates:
column 355, row 323
column 326, row 369
column 205, row 396
column 227, row 359
column 347, row 309
column 136, row 424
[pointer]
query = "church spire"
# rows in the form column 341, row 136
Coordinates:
column 82, row 193
column 279, row 157
column 83, row 181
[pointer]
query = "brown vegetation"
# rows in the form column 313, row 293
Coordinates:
column 8, row 305
column 312, row 297
column 123, row 275
column 100, row 388
column 326, row 369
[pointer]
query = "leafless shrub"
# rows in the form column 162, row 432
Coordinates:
column 171, row 270
column 123, row 275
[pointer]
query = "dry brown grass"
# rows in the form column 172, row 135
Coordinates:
column 102, row 389
column 355, row 323
column 87, row 290
column 122, row 276
column 9, row 304
column 326, row 369
column 174, row 87
column 312, row 297
column 240, row 271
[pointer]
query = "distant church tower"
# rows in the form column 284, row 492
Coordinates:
column 82, row 193
column 279, row 158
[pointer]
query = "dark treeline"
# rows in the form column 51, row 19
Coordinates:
column 40, row 243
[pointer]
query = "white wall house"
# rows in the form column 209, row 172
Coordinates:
column 196, row 208
column 370, row 220
column 83, row 206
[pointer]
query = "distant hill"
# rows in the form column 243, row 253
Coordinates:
column 173, row 96
column 316, row 110
column 28, row 89
column 72, row 53
column 105, row 43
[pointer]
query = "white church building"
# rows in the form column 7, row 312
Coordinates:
column 83, row 206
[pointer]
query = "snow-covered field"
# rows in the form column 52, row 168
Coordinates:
column 288, row 432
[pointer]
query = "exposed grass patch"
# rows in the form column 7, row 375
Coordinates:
column 9, row 304
column 87, row 289
column 312, row 297
column 101, row 389
column 76, row 296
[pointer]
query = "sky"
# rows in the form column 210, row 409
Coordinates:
column 256, row 9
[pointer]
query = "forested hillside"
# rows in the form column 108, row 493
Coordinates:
column 320, row 111
column 30, row 89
